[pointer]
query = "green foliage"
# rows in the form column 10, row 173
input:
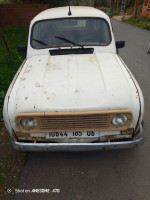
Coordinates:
column 9, row 63
column 141, row 2
column 77, row 2
column 10, row 1
column 139, row 22
column 105, row 3
column 58, row 3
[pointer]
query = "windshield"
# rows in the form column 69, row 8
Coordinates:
column 74, row 31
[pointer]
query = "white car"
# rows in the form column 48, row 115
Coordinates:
column 73, row 92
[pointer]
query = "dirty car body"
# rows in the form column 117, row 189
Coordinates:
column 73, row 92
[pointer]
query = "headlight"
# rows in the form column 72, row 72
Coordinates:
column 28, row 123
column 119, row 120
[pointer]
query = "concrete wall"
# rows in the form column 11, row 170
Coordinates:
column 19, row 14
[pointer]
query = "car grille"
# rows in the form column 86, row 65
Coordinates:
column 73, row 121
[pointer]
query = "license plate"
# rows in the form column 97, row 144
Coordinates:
column 78, row 134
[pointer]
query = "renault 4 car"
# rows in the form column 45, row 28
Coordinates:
column 73, row 92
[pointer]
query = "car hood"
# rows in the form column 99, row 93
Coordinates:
column 73, row 83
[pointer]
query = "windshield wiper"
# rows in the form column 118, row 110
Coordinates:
column 39, row 41
column 69, row 41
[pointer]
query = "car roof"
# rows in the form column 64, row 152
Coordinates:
column 77, row 11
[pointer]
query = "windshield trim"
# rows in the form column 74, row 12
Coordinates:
column 68, row 45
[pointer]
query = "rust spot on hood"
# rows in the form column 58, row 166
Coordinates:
column 37, row 85
column 22, row 79
column 93, row 60
column 27, row 71
column 77, row 92
column 49, row 61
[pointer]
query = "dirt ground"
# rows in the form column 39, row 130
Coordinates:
column 11, row 163
column 129, row 13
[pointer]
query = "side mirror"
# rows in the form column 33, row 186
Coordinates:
column 120, row 44
column 22, row 48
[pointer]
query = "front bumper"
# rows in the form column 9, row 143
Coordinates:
column 75, row 146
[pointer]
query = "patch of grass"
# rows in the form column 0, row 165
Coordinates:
column 9, row 63
column 139, row 22
column 11, row 161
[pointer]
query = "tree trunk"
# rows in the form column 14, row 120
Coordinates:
column 117, row 8
column 136, row 8
column 5, row 42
